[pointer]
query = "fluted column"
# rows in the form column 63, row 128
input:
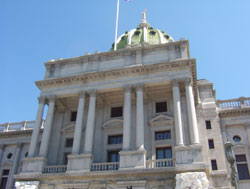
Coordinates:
column 127, row 119
column 15, row 164
column 88, row 145
column 177, row 114
column 36, row 130
column 47, row 128
column 192, row 120
column 79, row 124
column 139, row 117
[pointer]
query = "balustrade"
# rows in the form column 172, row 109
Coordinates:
column 17, row 126
column 234, row 103
column 160, row 163
column 109, row 166
column 55, row 169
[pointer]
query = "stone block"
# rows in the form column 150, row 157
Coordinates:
column 192, row 180
column 133, row 159
column 27, row 184
column 188, row 155
column 79, row 163
column 33, row 165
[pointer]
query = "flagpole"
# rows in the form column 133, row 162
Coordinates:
column 116, row 27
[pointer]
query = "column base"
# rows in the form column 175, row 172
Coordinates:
column 79, row 163
column 133, row 159
column 188, row 154
column 33, row 165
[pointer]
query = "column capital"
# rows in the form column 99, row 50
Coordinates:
column 19, row 144
column 175, row 83
column 139, row 86
column 127, row 88
column 188, row 81
column 82, row 94
column 41, row 99
column 51, row 98
column 92, row 93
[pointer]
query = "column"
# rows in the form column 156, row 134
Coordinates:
column 48, row 128
column 126, row 119
column 79, row 125
column 139, row 117
column 36, row 130
column 88, row 145
column 192, row 120
column 15, row 165
column 177, row 114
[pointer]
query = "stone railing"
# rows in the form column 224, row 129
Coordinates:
column 108, row 166
column 160, row 163
column 55, row 169
column 234, row 103
column 18, row 126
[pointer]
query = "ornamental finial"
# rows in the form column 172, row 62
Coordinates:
column 144, row 16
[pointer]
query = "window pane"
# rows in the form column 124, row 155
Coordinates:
column 159, row 154
column 116, row 112
column 115, row 139
column 214, row 164
column 69, row 142
column 4, row 183
column 168, row 153
column 161, row 107
column 243, row 171
column 6, row 172
column 162, row 135
column 208, row 125
column 211, row 143
column 240, row 158
column 113, row 156
column 73, row 116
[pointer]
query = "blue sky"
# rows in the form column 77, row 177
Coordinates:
column 32, row 32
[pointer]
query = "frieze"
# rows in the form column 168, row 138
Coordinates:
column 113, row 74
column 234, row 112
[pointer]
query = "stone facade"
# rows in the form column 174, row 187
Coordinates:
column 142, row 118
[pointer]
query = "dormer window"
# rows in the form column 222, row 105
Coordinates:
column 161, row 107
column 116, row 112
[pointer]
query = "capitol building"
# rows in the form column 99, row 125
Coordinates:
column 132, row 118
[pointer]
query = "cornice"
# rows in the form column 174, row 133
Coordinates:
column 120, row 52
column 20, row 132
column 122, row 73
column 234, row 112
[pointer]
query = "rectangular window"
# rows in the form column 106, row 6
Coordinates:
column 116, row 139
column 69, row 142
column 214, row 164
column 162, row 135
column 113, row 156
column 161, row 107
column 242, row 167
column 73, row 116
column 208, row 124
column 164, row 153
column 116, row 112
column 211, row 143
column 4, row 179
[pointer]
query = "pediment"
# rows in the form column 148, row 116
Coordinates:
column 161, row 119
column 69, row 128
column 113, row 123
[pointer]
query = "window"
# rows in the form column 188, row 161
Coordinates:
column 73, row 116
column 117, row 139
column 214, row 164
column 236, row 138
column 164, row 153
column 9, row 156
column 211, row 143
column 65, row 158
column 26, row 154
column 242, row 167
column 4, row 180
column 116, row 112
column 69, row 142
column 113, row 156
column 161, row 107
column 208, row 124
column 162, row 135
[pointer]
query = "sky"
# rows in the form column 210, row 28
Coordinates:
column 33, row 32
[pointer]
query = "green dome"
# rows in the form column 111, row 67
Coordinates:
column 143, row 34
